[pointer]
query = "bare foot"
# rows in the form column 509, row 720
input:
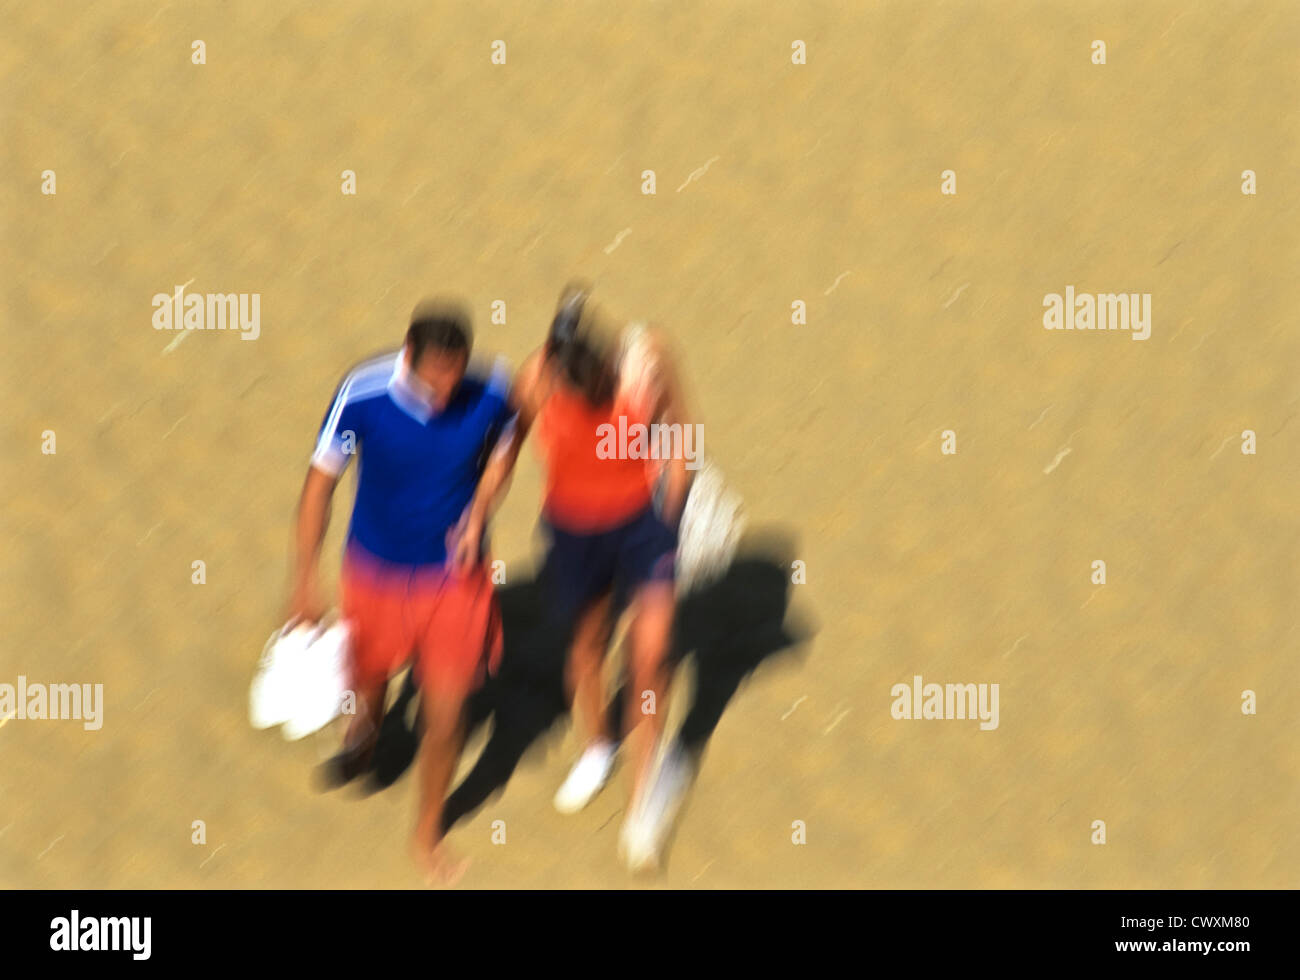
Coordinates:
column 437, row 862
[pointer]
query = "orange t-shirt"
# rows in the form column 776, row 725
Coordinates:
column 586, row 493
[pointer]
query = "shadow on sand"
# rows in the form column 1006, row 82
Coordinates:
column 726, row 629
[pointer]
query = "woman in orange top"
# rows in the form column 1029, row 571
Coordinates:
column 587, row 400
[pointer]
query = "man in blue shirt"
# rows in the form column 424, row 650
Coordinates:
column 424, row 427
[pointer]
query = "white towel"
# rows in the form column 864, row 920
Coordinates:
column 301, row 679
column 710, row 529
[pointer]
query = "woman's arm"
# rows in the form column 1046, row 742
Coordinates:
column 495, row 481
column 668, row 406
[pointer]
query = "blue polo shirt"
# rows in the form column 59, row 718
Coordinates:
column 418, row 468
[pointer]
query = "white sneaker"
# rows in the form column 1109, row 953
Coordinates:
column 634, row 848
column 645, row 831
column 586, row 778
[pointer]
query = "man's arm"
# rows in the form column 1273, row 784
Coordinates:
column 313, row 521
column 341, row 431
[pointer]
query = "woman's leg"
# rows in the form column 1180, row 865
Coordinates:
column 586, row 656
column 651, row 632
column 586, row 698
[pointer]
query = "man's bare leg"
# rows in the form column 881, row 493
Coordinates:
column 444, row 737
column 360, row 739
column 364, row 730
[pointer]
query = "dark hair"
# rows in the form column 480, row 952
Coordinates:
column 584, row 361
column 438, row 326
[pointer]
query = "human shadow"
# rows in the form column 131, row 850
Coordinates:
column 726, row 629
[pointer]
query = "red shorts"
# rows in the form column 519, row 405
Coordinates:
column 452, row 623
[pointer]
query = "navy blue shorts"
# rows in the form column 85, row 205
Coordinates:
column 584, row 567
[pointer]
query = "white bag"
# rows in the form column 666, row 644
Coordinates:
column 301, row 679
column 710, row 529
column 713, row 518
